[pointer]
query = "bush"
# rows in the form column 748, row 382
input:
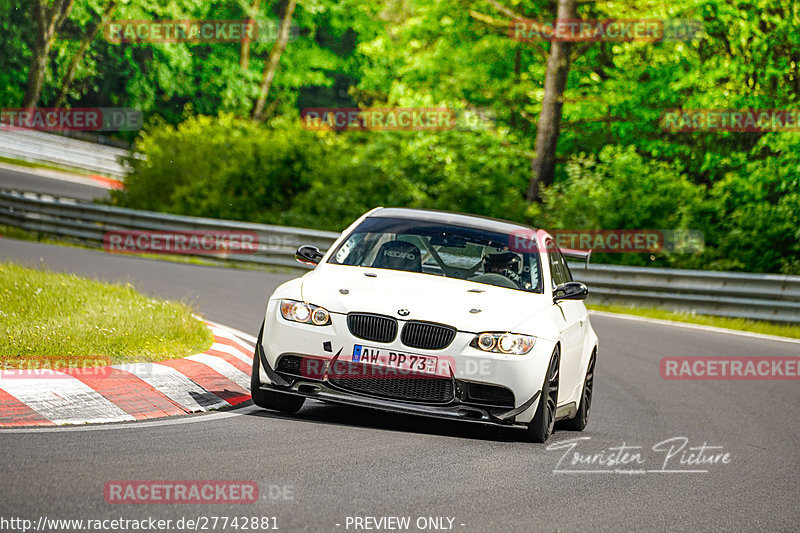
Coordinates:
column 619, row 189
column 223, row 168
column 757, row 209
column 451, row 171
column 750, row 219
column 282, row 174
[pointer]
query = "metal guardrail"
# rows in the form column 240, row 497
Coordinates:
column 63, row 152
column 730, row 294
column 87, row 223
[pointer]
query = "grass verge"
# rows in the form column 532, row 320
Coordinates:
column 47, row 315
column 740, row 324
column 44, row 166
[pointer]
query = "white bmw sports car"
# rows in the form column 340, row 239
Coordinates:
column 435, row 314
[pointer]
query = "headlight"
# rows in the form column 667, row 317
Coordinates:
column 510, row 343
column 305, row 313
column 320, row 317
column 486, row 342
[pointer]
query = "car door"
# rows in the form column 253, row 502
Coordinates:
column 571, row 315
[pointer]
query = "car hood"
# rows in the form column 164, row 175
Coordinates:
column 466, row 305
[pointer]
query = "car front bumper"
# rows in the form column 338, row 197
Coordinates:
column 522, row 375
column 325, row 390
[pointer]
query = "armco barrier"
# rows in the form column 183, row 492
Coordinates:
column 731, row 294
column 87, row 223
column 63, row 152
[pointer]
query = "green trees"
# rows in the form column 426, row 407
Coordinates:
column 162, row 79
column 615, row 165
column 281, row 173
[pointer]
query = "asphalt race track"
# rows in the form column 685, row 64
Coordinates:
column 77, row 187
column 334, row 462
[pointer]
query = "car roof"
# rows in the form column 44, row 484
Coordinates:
column 446, row 217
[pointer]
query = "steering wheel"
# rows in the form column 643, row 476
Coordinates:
column 497, row 280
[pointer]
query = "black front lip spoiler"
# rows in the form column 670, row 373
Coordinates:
column 456, row 410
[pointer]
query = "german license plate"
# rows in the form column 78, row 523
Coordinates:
column 393, row 359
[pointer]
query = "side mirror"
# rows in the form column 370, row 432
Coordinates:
column 308, row 255
column 572, row 290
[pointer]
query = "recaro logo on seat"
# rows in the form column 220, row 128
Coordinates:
column 400, row 255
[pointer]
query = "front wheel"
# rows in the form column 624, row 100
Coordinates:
column 541, row 427
column 285, row 403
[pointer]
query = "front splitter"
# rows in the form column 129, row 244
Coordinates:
column 454, row 411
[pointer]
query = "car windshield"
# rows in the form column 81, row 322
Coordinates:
column 442, row 250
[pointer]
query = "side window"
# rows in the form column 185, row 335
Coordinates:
column 553, row 258
column 532, row 268
column 347, row 249
column 565, row 266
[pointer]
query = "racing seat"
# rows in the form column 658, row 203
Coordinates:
column 399, row 255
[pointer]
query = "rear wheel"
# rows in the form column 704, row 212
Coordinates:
column 581, row 418
column 541, row 427
column 285, row 403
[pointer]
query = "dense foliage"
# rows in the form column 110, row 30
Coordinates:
column 618, row 167
column 283, row 173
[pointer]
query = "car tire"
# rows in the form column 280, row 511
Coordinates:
column 541, row 427
column 581, row 418
column 285, row 403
